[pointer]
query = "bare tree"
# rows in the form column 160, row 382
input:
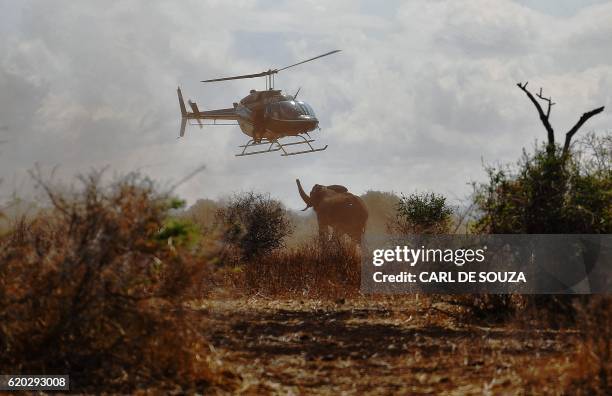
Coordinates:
column 545, row 118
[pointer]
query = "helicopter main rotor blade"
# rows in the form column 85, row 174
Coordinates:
column 307, row 60
column 262, row 74
column 267, row 72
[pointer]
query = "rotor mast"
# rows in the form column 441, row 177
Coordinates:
column 270, row 79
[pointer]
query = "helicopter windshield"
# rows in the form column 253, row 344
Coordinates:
column 306, row 109
column 291, row 110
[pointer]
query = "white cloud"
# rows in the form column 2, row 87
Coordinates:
column 422, row 91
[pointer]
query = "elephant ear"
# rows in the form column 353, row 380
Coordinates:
column 338, row 188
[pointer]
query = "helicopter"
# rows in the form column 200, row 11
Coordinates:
column 270, row 118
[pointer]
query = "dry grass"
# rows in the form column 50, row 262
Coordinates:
column 390, row 345
column 300, row 315
column 317, row 269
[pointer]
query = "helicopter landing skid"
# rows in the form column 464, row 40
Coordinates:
column 276, row 145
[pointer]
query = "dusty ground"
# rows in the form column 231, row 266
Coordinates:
column 383, row 346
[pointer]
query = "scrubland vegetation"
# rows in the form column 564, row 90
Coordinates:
column 94, row 286
column 126, row 290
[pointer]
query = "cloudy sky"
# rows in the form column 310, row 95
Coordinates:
column 422, row 94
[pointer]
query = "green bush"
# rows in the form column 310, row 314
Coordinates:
column 179, row 231
column 422, row 213
column 548, row 193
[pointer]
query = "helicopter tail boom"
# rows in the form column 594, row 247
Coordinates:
column 198, row 115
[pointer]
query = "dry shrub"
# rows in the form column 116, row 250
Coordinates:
column 253, row 224
column 90, row 289
column 319, row 268
column 594, row 319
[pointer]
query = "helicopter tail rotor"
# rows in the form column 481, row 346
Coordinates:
column 183, row 126
column 181, row 102
column 183, row 112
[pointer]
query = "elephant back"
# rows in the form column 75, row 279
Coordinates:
column 338, row 188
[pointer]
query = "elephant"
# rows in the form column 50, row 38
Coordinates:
column 337, row 208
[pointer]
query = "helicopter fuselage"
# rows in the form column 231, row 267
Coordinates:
column 271, row 115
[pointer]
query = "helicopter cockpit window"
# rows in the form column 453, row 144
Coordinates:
column 306, row 109
column 289, row 110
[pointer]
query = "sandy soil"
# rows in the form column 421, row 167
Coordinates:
column 382, row 346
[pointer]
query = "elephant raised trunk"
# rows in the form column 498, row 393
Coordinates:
column 304, row 196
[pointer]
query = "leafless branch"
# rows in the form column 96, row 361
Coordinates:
column 199, row 169
column 549, row 101
column 584, row 118
column 543, row 116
